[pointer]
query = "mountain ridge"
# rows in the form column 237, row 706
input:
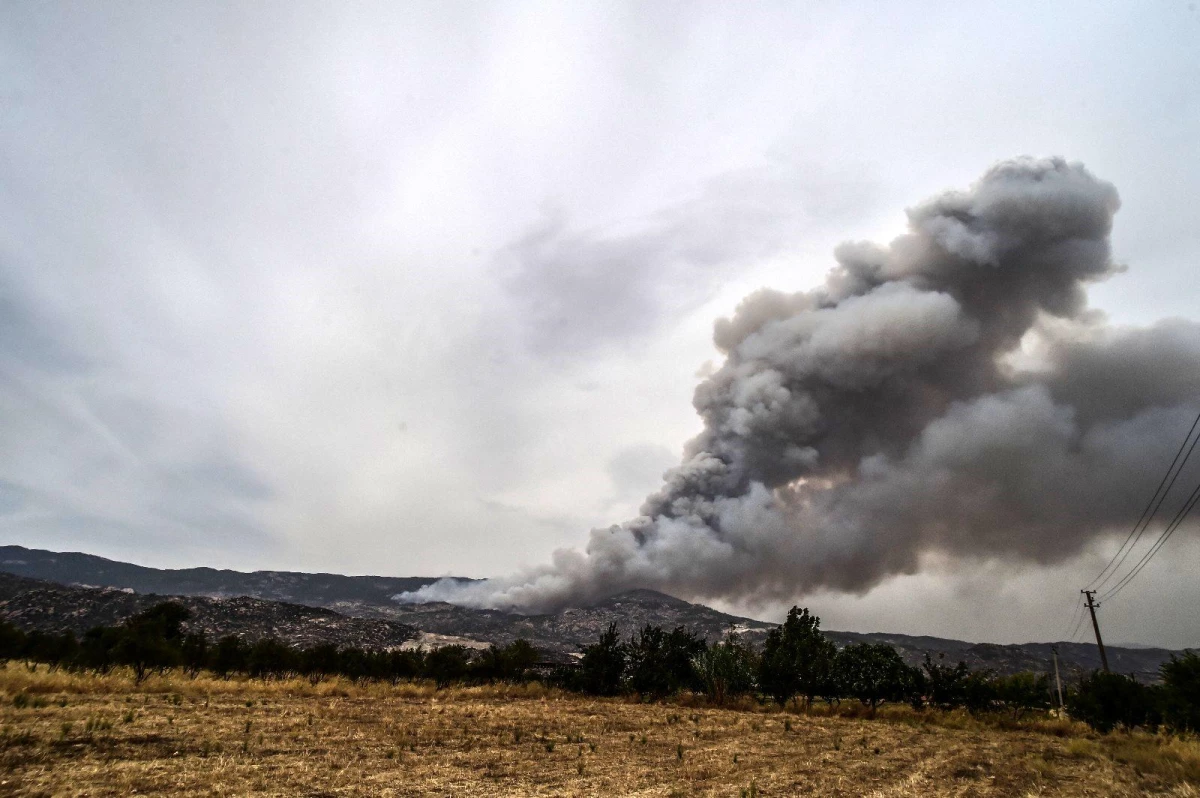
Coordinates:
column 561, row 634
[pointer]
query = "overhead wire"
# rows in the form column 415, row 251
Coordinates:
column 1076, row 620
column 1176, row 522
column 1151, row 509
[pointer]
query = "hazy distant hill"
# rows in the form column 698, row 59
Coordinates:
column 319, row 590
column 562, row 633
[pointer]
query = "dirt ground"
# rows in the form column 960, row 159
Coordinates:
column 67, row 735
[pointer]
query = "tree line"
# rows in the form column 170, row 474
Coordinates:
column 155, row 641
column 796, row 664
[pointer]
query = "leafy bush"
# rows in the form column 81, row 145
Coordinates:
column 1181, row 692
column 726, row 670
column 1107, row 700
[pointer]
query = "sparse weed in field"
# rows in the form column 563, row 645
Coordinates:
column 96, row 723
column 679, row 751
column 129, row 716
column 787, row 724
column 549, row 746
column 592, row 746
column 751, row 791
column 66, row 728
column 22, row 700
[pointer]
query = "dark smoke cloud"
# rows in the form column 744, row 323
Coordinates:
column 949, row 394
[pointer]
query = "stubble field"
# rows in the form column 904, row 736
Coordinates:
column 68, row 735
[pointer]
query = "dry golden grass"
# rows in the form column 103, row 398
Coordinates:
column 63, row 734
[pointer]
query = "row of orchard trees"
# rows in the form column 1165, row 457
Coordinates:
column 155, row 641
column 797, row 663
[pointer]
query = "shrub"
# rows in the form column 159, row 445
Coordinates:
column 1181, row 692
column 726, row 670
column 1107, row 700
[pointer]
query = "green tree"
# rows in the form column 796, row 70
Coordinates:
column 1181, row 692
column 660, row 663
column 447, row 665
column 152, row 639
column 194, row 651
column 229, row 656
column 945, row 685
column 1105, row 701
column 1022, row 692
column 319, row 662
column 726, row 669
column 12, row 642
column 874, row 673
column 269, row 658
column 510, row 663
column 796, row 659
column 602, row 668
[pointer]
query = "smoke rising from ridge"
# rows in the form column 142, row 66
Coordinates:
column 950, row 393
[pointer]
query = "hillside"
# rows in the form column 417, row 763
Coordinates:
column 45, row 606
column 318, row 590
column 299, row 606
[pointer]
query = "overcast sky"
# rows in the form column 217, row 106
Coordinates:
column 425, row 289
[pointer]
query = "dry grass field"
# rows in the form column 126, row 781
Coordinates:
column 67, row 735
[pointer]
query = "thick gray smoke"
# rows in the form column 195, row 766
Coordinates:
column 948, row 394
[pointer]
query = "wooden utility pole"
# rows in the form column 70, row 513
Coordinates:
column 1057, row 681
column 1092, row 605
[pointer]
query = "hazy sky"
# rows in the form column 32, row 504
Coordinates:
column 426, row 289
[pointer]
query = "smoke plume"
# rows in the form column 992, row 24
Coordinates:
column 949, row 394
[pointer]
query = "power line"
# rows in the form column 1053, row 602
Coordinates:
column 1091, row 605
column 1176, row 522
column 1148, row 514
column 1078, row 624
column 1076, row 619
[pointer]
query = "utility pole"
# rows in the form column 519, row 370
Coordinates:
column 1057, row 681
column 1092, row 605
